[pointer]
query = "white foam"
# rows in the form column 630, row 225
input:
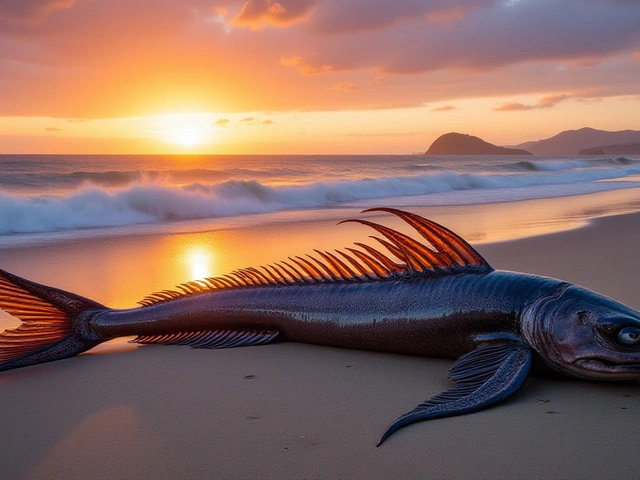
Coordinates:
column 151, row 201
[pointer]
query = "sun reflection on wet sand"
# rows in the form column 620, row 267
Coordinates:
column 200, row 262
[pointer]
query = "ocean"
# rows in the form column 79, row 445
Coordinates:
column 91, row 194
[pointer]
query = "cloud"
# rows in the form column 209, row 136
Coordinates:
column 221, row 122
column 346, row 87
column 304, row 66
column 544, row 102
column 359, row 16
column 31, row 11
column 268, row 122
column 78, row 120
column 52, row 129
column 257, row 14
column 248, row 120
column 447, row 16
column 396, row 37
column 552, row 100
column 443, row 108
column 512, row 107
column 106, row 58
column 393, row 134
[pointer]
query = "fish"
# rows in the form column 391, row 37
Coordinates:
column 436, row 296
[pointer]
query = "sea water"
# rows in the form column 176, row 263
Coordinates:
column 73, row 193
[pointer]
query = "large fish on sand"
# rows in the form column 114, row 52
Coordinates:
column 439, row 298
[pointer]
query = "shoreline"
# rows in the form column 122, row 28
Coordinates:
column 580, row 207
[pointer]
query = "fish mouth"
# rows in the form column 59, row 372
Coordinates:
column 609, row 368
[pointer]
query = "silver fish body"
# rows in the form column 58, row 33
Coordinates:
column 401, row 316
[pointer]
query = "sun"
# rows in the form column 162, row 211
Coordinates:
column 186, row 130
column 186, row 136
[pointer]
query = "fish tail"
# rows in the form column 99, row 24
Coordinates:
column 54, row 323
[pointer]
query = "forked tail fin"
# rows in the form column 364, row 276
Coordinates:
column 52, row 323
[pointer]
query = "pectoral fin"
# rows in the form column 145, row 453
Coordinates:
column 483, row 377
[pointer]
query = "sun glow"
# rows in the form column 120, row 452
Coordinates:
column 186, row 136
column 186, row 131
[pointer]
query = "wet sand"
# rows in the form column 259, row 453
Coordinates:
column 299, row 411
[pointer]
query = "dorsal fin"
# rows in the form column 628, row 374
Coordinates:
column 443, row 239
column 446, row 254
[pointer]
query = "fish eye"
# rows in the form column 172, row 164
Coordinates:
column 629, row 335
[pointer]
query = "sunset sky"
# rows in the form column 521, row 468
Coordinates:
column 304, row 76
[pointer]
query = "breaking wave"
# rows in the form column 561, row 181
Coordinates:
column 120, row 178
column 573, row 164
column 150, row 200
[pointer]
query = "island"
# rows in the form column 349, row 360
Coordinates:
column 626, row 149
column 577, row 142
column 463, row 144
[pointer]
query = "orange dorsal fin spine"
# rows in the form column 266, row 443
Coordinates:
column 408, row 247
column 440, row 237
column 311, row 272
column 357, row 265
column 377, row 270
column 446, row 253
column 345, row 270
column 330, row 274
column 386, row 262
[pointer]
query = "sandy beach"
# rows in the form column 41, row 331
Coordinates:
column 294, row 411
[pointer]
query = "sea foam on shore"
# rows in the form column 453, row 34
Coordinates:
column 34, row 201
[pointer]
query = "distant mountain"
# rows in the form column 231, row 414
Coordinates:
column 625, row 149
column 570, row 142
column 462, row 144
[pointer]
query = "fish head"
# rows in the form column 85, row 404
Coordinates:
column 582, row 334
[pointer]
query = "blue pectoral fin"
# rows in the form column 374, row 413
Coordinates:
column 483, row 377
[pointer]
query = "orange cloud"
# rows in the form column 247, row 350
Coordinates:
column 346, row 87
column 512, row 107
column 443, row 108
column 303, row 66
column 117, row 58
column 544, row 102
column 257, row 14
column 552, row 100
column 221, row 122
